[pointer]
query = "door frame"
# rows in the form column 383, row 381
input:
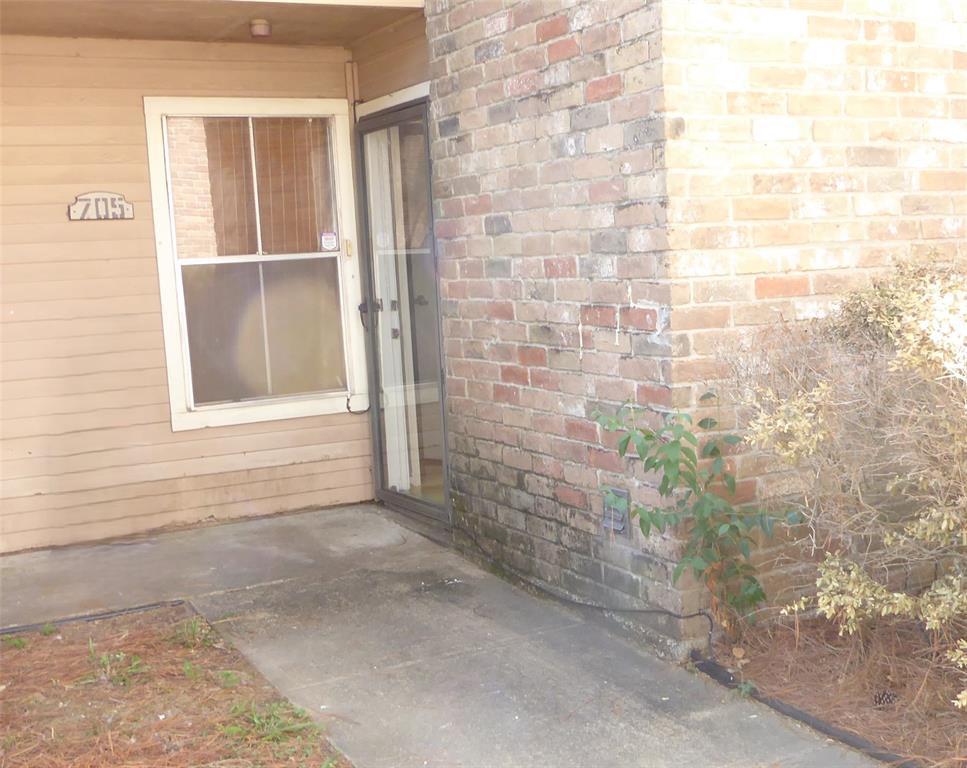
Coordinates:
column 393, row 499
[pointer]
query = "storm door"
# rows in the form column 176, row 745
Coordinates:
column 402, row 311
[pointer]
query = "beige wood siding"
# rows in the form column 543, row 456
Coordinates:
column 87, row 448
column 392, row 58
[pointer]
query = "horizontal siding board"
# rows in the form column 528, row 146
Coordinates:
column 80, row 403
column 92, row 269
column 157, row 76
column 78, row 308
column 41, row 253
column 37, row 154
column 157, row 470
column 393, row 58
column 84, row 176
column 12, row 427
column 209, row 448
column 26, row 194
column 328, row 476
column 168, row 50
column 74, row 346
column 135, row 523
column 60, row 230
column 72, row 115
column 124, row 494
column 72, row 366
column 88, row 449
column 159, row 434
column 74, row 328
column 69, row 386
column 95, row 288
column 73, row 135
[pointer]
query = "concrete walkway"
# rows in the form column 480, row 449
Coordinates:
column 414, row 657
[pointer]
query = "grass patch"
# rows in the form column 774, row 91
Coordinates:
column 152, row 689
column 228, row 678
column 274, row 722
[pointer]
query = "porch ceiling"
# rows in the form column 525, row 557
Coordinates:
column 294, row 22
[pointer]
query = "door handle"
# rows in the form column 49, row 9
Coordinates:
column 364, row 312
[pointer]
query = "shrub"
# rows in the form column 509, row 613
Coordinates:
column 697, row 486
column 868, row 409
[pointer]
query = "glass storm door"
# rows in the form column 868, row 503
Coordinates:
column 403, row 310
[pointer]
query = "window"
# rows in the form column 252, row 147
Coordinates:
column 254, row 223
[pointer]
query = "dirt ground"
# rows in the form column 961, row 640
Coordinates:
column 885, row 687
column 147, row 689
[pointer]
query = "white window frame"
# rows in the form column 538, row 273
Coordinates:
column 185, row 415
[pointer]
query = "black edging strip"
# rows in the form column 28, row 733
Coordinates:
column 92, row 616
column 722, row 676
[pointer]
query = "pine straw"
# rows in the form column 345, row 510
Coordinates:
column 60, row 707
column 836, row 679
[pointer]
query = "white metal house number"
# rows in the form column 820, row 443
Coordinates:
column 99, row 206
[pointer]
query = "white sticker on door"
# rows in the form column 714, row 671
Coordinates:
column 328, row 241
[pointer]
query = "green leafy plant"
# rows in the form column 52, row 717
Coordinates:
column 192, row 672
column 194, row 633
column 746, row 689
column 697, row 488
column 228, row 678
column 13, row 641
column 48, row 629
column 274, row 722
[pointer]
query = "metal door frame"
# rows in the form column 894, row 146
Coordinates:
column 395, row 500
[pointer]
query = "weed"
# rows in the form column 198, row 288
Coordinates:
column 117, row 668
column 15, row 641
column 275, row 722
column 48, row 629
column 191, row 671
column 228, row 678
column 745, row 689
column 194, row 633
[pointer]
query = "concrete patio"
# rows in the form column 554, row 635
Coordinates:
column 413, row 656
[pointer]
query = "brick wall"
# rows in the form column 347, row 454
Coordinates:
column 621, row 187
column 820, row 142
column 191, row 188
column 550, row 211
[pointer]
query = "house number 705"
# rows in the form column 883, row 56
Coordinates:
column 99, row 206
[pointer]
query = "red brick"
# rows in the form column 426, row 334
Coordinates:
column 639, row 318
column 500, row 310
column 504, row 393
column 777, row 286
column 514, row 374
column 609, row 461
column 560, row 266
column 551, row 28
column 572, row 497
column 653, row 394
column 606, row 191
column 533, row 356
column 544, row 379
column 603, row 88
column 581, row 429
column 561, row 50
column 478, row 205
column 600, row 316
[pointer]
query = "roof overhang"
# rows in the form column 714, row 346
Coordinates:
column 294, row 22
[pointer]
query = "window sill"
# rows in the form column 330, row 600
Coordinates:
column 249, row 413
